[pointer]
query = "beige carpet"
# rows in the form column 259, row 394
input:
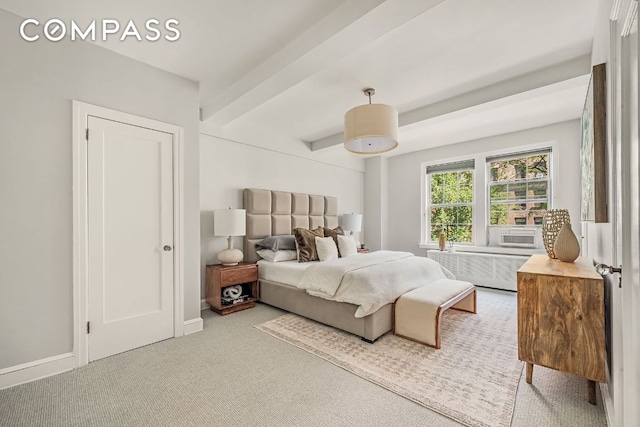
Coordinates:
column 472, row 379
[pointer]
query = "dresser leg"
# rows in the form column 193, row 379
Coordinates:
column 529, row 372
column 591, row 391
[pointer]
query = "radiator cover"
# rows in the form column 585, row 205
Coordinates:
column 491, row 270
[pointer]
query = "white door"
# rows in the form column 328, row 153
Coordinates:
column 631, row 221
column 130, row 237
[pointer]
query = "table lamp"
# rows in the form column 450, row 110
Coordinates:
column 352, row 222
column 229, row 223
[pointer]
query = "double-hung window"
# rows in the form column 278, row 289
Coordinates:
column 450, row 201
column 518, row 188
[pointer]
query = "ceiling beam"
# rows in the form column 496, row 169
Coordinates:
column 548, row 76
column 352, row 25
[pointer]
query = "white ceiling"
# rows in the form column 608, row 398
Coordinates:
column 455, row 69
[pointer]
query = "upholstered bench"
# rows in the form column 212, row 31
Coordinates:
column 418, row 312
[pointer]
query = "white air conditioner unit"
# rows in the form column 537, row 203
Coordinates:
column 521, row 238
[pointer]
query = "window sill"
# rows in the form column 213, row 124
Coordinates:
column 487, row 249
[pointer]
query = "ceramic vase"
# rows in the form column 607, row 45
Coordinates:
column 566, row 246
column 551, row 224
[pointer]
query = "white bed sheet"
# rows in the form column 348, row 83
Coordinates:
column 287, row 272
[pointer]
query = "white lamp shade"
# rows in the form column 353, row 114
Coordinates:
column 352, row 222
column 371, row 129
column 229, row 222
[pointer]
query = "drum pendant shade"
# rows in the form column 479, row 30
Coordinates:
column 371, row 128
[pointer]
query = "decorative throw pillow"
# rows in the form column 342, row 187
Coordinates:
column 326, row 248
column 347, row 245
column 277, row 256
column 279, row 242
column 305, row 240
column 333, row 234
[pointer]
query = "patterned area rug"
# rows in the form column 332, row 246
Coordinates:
column 472, row 379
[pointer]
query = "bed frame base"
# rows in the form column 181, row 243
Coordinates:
column 337, row 314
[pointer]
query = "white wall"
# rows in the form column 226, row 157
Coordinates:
column 227, row 167
column 376, row 194
column 405, row 177
column 246, row 132
column 600, row 236
column 38, row 83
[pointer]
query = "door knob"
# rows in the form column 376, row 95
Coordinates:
column 604, row 269
column 167, row 248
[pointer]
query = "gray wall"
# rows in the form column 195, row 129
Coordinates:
column 405, row 177
column 38, row 82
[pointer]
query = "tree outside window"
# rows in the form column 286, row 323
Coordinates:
column 451, row 205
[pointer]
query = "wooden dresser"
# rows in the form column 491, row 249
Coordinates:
column 561, row 318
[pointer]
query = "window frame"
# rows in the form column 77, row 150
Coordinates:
column 455, row 205
column 426, row 193
column 512, row 156
column 481, row 209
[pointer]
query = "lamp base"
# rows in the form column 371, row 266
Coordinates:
column 230, row 256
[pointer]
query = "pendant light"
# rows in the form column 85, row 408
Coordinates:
column 371, row 128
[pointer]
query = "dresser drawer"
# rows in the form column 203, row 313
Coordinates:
column 234, row 276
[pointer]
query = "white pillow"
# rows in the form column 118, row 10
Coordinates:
column 326, row 248
column 277, row 256
column 347, row 245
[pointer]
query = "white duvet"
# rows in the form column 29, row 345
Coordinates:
column 372, row 280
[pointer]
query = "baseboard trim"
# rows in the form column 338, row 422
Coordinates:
column 38, row 369
column 607, row 403
column 192, row 326
column 204, row 305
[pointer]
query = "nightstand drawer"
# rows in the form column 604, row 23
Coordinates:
column 233, row 276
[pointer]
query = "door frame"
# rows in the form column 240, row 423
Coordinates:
column 620, row 399
column 612, row 391
column 81, row 113
column 630, row 55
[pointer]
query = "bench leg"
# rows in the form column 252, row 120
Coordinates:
column 438, row 322
column 467, row 303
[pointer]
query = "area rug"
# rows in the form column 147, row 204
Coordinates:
column 472, row 379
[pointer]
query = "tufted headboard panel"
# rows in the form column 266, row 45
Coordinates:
column 270, row 213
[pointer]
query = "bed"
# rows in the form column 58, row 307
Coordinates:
column 275, row 213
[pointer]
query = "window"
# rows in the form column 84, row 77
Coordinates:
column 518, row 188
column 450, row 201
column 473, row 201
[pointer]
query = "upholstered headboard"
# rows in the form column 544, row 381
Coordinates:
column 278, row 212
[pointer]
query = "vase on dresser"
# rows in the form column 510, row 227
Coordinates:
column 566, row 247
column 552, row 222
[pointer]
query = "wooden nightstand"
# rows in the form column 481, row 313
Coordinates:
column 220, row 276
column 363, row 251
